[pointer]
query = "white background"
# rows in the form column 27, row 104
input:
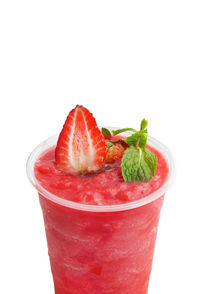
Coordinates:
column 124, row 60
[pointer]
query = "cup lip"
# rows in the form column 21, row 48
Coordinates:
column 51, row 141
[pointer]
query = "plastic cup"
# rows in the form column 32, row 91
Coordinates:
column 101, row 249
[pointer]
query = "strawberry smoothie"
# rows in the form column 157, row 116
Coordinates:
column 99, row 252
column 101, row 227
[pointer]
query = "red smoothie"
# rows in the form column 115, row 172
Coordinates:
column 101, row 252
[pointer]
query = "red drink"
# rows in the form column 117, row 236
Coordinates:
column 101, row 231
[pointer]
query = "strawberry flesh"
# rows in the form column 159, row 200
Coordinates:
column 81, row 146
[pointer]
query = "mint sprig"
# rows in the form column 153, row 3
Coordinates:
column 138, row 163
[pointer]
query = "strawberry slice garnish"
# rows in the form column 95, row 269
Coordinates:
column 115, row 152
column 81, row 146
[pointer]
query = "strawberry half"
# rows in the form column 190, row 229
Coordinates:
column 81, row 146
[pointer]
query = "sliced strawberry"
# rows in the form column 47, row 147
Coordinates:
column 81, row 146
column 115, row 153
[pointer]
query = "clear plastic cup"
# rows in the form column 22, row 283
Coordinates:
column 101, row 249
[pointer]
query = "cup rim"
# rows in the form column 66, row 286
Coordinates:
column 51, row 141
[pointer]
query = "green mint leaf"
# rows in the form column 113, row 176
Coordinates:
column 122, row 131
column 138, row 164
column 143, row 124
column 133, row 139
column 106, row 132
column 109, row 144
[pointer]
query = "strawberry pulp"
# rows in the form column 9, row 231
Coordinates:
column 99, row 252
